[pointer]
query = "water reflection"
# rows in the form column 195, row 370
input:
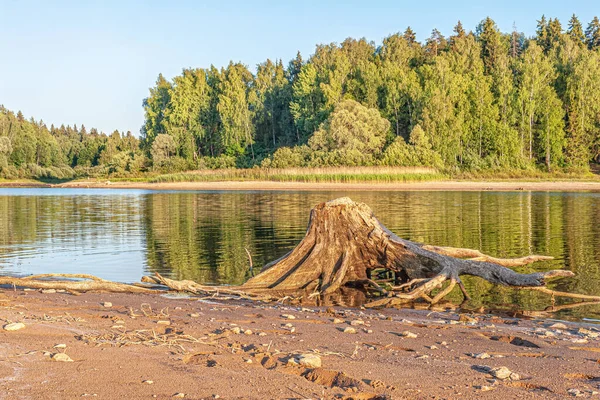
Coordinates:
column 122, row 235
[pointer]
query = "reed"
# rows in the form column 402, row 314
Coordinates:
column 310, row 175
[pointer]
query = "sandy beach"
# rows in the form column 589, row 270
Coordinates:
column 300, row 186
column 141, row 346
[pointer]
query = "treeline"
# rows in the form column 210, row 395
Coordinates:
column 472, row 100
column 29, row 149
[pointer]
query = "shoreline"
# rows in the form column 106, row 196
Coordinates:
column 151, row 346
column 450, row 185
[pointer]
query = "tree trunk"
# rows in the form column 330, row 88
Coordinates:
column 344, row 243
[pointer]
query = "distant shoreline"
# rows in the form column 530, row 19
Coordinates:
column 448, row 185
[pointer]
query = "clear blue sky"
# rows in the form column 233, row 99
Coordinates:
column 92, row 62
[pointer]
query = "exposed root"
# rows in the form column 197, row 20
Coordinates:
column 476, row 255
column 555, row 293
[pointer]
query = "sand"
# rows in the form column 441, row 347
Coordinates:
column 299, row 186
column 117, row 351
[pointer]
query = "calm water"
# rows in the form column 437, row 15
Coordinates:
column 124, row 234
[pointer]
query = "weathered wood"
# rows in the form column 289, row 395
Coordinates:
column 71, row 282
column 344, row 243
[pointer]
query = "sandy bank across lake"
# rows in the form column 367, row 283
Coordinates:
column 301, row 186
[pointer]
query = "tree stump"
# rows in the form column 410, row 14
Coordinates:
column 345, row 242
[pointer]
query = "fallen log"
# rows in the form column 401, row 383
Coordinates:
column 72, row 282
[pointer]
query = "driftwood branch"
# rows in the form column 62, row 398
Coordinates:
column 72, row 282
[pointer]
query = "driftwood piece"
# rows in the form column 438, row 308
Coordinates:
column 72, row 282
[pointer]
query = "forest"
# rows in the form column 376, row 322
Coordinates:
column 471, row 101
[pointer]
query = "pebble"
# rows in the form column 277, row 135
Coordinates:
column 480, row 356
column 349, row 330
column 338, row 321
column 163, row 322
column 194, row 315
column 357, row 322
column 248, row 332
column 15, row 326
column 48, row 290
column 579, row 340
column 60, row 346
column 179, row 395
column 408, row 334
column 61, row 357
column 107, row 304
column 575, row 392
column 148, row 382
column 484, row 388
column 433, row 347
column 288, row 316
column 504, row 373
column 237, row 330
column 262, row 334
column 309, row 360
column 558, row 325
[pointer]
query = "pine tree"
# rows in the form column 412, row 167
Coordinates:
column 575, row 31
column 592, row 34
column 410, row 36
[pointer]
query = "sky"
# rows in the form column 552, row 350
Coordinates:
column 93, row 62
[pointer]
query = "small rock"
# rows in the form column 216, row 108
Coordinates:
column 588, row 333
column 579, row 340
column 504, row 373
column 262, row 334
column 148, row 382
column 480, row 356
column 60, row 346
column 468, row 320
column 15, row 326
column 288, row 325
column 369, row 331
column 107, row 304
column 179, row 395
column 248, row 361
column 349, row 330
column 338, row 321
column 575, row 392
column 309, row 360
column 288, row 316
column 422, row 357
column 433, row 347
column 484, row 388
column 163, row 322
column 248, row 332
column 408, row 334
column 444, row 344
column 237, row 330
column 194, row 315
column 357, row 322
column 61, row 357
column 558, row 325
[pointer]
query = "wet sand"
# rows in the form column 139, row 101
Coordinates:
column 300, row 186
column 149, row 346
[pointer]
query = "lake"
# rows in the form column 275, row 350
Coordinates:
column 201, row 235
